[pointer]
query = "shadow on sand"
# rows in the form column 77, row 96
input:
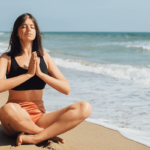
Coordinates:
column 11, row 141
column 5, row 140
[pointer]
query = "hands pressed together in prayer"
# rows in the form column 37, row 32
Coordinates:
column 34, row 67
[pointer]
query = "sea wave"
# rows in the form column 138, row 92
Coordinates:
column 144, row 47
column 142, row 137
column 3, row 44
column 2, row 51
column 1, row 33
column 46, row 50
column 139, row 74
column 3, row 47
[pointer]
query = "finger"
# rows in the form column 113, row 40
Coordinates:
column 36, row 60
column 32, row 62
column 32, row 53
column 35, row 53
column 33, row 56
column 31, row 59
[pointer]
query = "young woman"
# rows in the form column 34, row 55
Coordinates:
column 28, row 68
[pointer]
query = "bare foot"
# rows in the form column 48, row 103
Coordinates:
column 19, row 139
column 57, row 140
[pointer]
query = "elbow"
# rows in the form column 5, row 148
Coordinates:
column 1, row 89
column 68, row 90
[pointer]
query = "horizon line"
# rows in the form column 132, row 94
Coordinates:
column 93, row 31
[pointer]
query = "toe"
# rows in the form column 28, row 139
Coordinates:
column 19, row 139
column 63, row 141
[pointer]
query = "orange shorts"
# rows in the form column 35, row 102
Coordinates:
column 34, row 108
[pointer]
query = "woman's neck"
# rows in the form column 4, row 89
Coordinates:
column 26, row 47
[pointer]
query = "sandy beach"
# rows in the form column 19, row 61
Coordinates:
column 86, row 136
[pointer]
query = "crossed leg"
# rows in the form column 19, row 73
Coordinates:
column 15, row 119
column 58, row 122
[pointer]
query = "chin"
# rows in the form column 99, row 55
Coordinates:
column 28, row 39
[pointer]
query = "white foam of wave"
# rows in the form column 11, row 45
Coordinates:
column 1, row 33
column 113, row 43
column 3, row 47
column 2, row 51
column 137, row 74
column 142, row 137
column 46, row 50
column 136, row 104
column 145, row 47
column 3, row 44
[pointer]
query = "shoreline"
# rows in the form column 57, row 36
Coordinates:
column 85, row 136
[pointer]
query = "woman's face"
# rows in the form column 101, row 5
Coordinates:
column 27, row 31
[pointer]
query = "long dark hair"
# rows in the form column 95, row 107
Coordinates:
column 14, row 48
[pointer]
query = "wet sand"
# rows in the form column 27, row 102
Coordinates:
column 86, row 136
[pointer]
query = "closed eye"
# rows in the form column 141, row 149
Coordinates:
column 23, row 26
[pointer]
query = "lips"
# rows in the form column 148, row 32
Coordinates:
column 28, row 34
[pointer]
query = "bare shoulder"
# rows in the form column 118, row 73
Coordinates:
column 48, row 59
column 4, row 62
column 46, row 55
column 53, row 70
column 4, row 55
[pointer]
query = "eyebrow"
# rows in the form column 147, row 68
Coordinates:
column 26, row 24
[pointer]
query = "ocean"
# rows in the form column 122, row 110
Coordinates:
column 109, row 70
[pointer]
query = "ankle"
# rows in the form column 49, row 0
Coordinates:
column 30, row 139
column 35, row 139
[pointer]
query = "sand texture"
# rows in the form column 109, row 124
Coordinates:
column 86, row 136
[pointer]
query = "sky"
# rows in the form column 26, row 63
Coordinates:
column 79, row 15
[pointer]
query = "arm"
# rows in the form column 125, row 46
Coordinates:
column 57, row 81
column 7, row 84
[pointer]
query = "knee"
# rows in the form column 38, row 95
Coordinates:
column 85, row 109
column 9, row 110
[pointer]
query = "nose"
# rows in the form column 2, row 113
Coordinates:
column 28, row 28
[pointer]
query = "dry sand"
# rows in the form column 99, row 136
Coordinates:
column 86, row 136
